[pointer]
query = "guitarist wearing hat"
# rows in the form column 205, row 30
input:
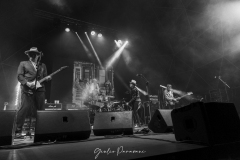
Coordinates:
column 135, row 102
column 31, row 98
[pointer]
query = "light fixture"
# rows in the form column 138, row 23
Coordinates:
column 120, row 42
column 93, row 33
column 67, row 29
column 99, row 35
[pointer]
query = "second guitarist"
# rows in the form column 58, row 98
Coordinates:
column 170, row 101
column 26, row 73
column 135, row 102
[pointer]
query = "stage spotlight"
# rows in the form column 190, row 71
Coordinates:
column 67, row 30
column 99, row 35
column 116, row 55
column 93, row 33
column 120, row 42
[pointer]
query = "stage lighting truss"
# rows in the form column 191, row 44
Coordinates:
column 99, row 35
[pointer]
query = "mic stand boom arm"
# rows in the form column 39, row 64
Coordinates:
column 147, row 102
column 225, row 86
column 223, row 82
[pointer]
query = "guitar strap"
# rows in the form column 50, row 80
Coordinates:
column 34, row 65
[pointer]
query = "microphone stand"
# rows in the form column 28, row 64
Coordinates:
column 225, row 86
column 34, row 102
column 163, row 97
column 148, row 99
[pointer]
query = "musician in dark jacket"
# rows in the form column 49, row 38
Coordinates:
column 135, row 102
column 31, row 99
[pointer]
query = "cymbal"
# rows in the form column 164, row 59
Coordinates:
column 110, row 96
column 116, row 102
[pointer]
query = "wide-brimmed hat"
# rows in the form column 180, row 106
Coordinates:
column 133, row 82
column 33, row 50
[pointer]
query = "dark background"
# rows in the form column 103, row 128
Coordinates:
column 183, row 42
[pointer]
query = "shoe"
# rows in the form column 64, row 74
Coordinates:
column 18, row 133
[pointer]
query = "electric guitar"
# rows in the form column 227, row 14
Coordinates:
column 176, row 100
column 38, row 85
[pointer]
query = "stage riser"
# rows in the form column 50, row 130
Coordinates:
column 63, row 136
column 115, row 131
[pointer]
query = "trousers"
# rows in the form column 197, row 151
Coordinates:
column 30, row 103
column 136, row 105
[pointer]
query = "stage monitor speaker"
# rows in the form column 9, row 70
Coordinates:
column 62, row 126
column 207, row 123
column 7, row 127
column 161, row 121
column 113, row 123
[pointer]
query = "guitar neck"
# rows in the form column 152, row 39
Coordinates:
column 184, row 96
column 52, row 74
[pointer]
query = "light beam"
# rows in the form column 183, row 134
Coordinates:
column 89, row 54
column 116, row 55
column 100, row 63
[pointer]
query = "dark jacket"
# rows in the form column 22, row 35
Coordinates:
column 135, row 96
column 27, row 73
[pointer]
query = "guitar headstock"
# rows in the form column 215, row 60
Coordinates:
column 189, row 93
column 63, row 67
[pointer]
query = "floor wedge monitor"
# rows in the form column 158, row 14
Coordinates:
column 62, row 126
column 113, row 123
column 161, row 121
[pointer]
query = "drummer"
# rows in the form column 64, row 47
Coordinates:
column 94, row 89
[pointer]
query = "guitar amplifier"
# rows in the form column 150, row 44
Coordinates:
column 153, row 98
column 53, row 106
column 73, row 106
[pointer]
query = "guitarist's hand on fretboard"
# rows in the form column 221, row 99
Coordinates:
column 48, row 78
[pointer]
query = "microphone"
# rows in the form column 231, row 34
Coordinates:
column 139, row 75
column 163, row 86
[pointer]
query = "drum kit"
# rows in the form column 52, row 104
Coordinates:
column 106, row 104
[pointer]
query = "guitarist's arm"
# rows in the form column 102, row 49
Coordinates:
column 133, row 98
column 20, row 75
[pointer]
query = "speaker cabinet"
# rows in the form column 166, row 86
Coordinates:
column 207, row 123
column 7, row 127
column 113, row 123
column 62, row 126
column 161, row 121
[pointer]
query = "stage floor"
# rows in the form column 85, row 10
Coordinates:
column 137, row 146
